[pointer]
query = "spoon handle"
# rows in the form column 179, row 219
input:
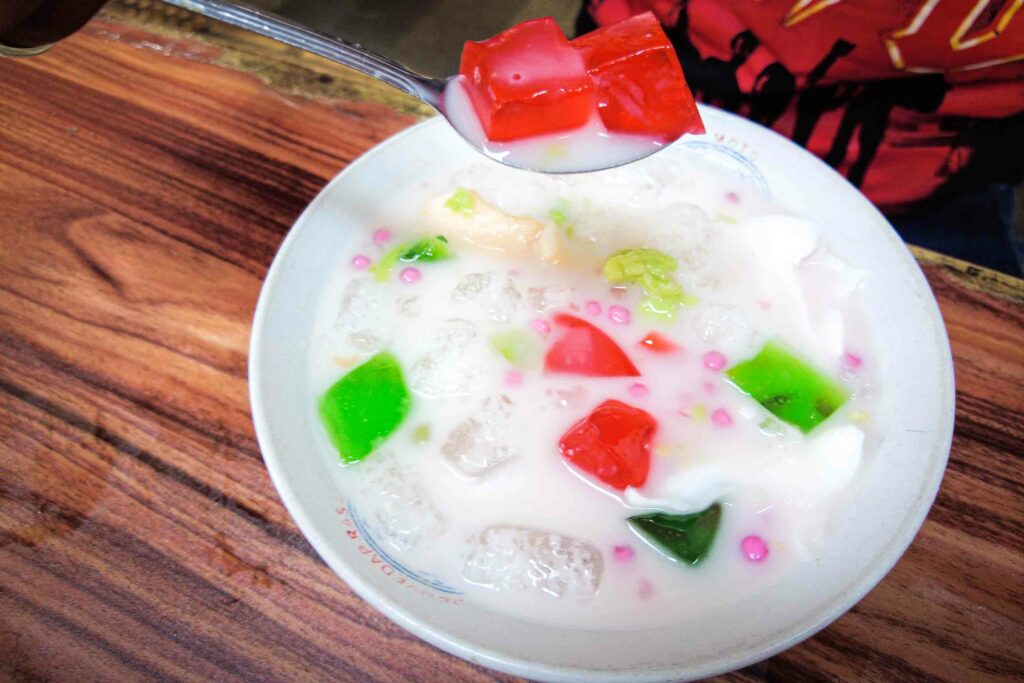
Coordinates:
column 334, row 49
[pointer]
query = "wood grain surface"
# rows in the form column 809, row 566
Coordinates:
column 146, row 181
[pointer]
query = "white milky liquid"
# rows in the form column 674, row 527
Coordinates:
column 587, row 148
column 756, row 273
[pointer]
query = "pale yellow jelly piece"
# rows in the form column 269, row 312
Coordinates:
column 549, row 245
column 487, row 227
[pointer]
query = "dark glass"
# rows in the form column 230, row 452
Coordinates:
column 29, row 26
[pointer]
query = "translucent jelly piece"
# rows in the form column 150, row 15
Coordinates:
column 721, row 325
column 514, row 558
column 640, row 83
column 471, row 287
column 497, row 294
column 362, row 316
column 789, row 387
column 613, row 443
column 548, row 297
column 451, row 361
column 583, row 349
column 527, row 81
column 365, row 406
column 410, row 305
column 400, row 505
column 686, row 538
column 505, row 302
column 484, row 441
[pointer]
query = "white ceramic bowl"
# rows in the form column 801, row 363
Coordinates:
column 897, row 484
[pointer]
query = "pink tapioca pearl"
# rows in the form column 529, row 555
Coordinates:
column 359, row 261
column 852, row 361
column 542, row 327
column 410, row 275
column 638, row 389
column 381, row 236
column 709, row 387
column 513, row 378
column 623, row 553
column 592, row 308
column 732, row 198
column 645, row 590
column 619, row 314
column 721, row 417
column 713, row 360
column 754, row 548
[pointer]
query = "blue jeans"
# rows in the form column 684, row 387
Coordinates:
column 976, row 227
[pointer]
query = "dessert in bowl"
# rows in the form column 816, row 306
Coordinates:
column 654, row 422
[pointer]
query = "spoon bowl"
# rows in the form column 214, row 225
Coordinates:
column 590, row 148
column 585, row 149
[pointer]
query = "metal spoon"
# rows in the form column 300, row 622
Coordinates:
column 568, row 153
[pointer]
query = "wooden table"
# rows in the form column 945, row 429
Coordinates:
column 146, row 180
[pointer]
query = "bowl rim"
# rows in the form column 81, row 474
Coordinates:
column 734, row 659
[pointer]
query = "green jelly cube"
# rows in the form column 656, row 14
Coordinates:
column 629, row 266
column 789, row 387
column 560, row 216
column 462, row 201
column 427, row 249
column 364, row 407
column 652, row 270
column 687, row 538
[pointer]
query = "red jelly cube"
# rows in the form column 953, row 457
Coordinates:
column 527, row 81
column 640, row 84
column 613, row 443
column 583, row 349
